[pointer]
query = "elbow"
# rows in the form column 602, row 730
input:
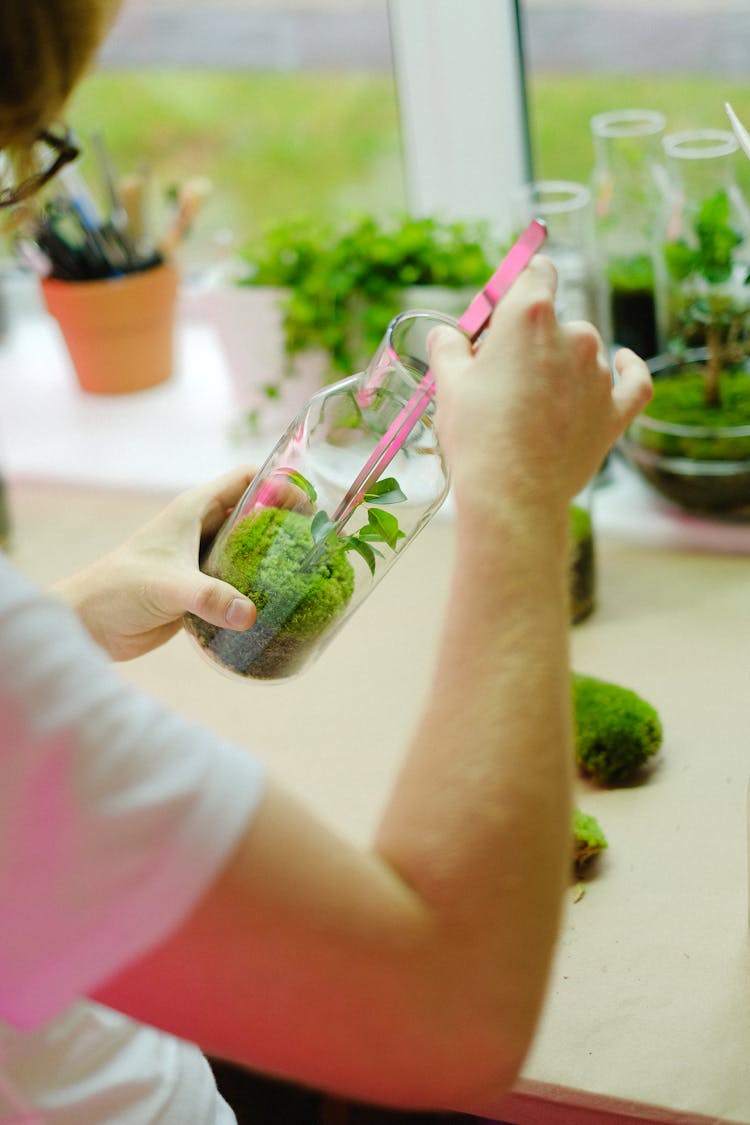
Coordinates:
column 481, row 1071
column 466, row 1061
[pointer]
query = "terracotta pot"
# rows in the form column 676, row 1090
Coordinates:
column 119, row 332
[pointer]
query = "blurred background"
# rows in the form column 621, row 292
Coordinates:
column 292, row 109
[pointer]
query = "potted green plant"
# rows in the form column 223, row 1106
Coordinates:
column 336, row 286
column 692, row 442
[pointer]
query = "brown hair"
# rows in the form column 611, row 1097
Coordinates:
column 45, row 47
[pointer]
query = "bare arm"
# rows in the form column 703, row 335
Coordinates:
column 413, row 973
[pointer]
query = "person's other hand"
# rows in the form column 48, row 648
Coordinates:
column 133, row 599
column 531, row 413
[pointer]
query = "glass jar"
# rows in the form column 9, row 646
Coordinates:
column 312, row 536
column 582, row 556
column 5, row 522
column 704, row 260
column 628, row 186
column 567, row 209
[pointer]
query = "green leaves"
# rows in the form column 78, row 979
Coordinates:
column 712, row 256
column 344, row 280
column 381, row 527
column 302, row 482
column 386, row 491
column 321, row 526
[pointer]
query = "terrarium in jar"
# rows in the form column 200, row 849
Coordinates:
column 703, row 299
column 582, row 572
column 330, row 511
column 628, row 186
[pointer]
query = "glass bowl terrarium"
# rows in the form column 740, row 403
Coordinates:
column 696, row 455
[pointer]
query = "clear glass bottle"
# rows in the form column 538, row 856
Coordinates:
column 628, row 186
column 304, row 544
column 567, row 209
column 704, row 248
column 5, row 521
column 582, row 556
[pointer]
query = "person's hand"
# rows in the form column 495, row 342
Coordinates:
column 531, row 413
column 133, row 599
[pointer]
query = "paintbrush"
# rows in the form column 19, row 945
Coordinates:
column 191, row 197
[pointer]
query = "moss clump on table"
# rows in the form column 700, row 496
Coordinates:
column 679, row 399
column 263, row 558
column 616, row 731
column 589, row 841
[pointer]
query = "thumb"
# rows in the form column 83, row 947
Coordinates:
column 220, row 604
column 633, row 387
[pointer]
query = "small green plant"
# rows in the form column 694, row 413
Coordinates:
column 708, row 312
column 616, row 731
column 381, row 527
column 345, row 279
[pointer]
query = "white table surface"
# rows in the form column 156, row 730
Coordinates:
column 648, row 1016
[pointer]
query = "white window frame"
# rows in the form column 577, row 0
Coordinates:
column 460, row 80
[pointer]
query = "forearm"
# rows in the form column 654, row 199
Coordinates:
column 479, row 822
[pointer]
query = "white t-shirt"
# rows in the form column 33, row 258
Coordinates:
column 115, row 817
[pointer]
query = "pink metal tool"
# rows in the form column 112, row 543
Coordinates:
column 473, row 322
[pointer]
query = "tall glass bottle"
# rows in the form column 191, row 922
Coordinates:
column 703, row 299
column 5, row 522
column 627, row 185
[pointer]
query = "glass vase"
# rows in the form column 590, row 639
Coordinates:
column 703, row 300
column 310, row 538
column 628, row 186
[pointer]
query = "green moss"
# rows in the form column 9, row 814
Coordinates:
column 262, row 559
column 588, row 840
column 631, row 275
column 616, row 731
column 680, row 399
column 296, row 605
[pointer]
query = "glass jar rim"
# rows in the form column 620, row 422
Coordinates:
column 700, row 144
column 555, row 197
column 628, row 123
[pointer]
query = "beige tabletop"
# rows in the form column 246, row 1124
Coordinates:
column 649, row 1005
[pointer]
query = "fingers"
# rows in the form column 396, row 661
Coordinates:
column 212, row 501
column 535, row 287
column 633, row 388
column 527, row 311
column 537, row 283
